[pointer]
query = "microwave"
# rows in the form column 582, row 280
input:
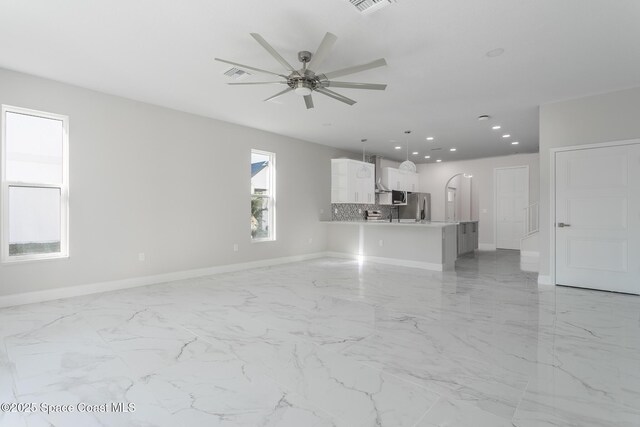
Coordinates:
column 398, row 197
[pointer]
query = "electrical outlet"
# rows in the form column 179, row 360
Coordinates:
column 142, row 257
column 485, row 210
column 359, row 211
column 310, row 240
column 235, row 247
column 336, row 211
column 381, row 243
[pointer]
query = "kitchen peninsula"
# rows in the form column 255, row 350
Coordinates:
column 424, row 244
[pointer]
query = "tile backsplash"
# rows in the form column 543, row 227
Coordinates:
column 356, row 212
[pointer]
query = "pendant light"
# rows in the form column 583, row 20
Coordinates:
column 408, row 165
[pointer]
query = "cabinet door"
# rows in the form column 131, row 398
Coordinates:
column 409, row 181
column 391, row 178
column 366, row 183
column 402, row 180
column 369, row 184
column 339, row 181
column 353, row 183
column 475, row 235
column 361, row 182
column 413, row 179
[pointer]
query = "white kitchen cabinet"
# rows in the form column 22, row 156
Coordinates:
column 391, row 178
column 397, row 179
column 352, row 181
column 410, row 180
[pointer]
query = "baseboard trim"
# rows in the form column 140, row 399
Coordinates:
column 486, row 247
column 390, row 261
column 530, row 254
column 544, row 280
column 96, row 288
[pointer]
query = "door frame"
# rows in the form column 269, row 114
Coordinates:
column 552, row 193
column 495, row 197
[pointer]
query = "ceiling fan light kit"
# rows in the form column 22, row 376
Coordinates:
column 306, row 80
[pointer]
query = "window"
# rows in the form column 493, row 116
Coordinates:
column 35, row 192
column 263, row 190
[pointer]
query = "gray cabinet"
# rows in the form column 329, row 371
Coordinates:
column 467, row 237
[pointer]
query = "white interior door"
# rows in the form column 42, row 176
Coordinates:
column 597, row 218
column 512, row 197
column 451, row 204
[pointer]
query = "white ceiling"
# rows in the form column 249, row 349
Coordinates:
column 439, row 77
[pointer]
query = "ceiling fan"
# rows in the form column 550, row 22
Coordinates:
column 307, row 79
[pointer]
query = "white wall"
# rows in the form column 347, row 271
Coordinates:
column 601, row 118
column 172, row 185
column 434, row 176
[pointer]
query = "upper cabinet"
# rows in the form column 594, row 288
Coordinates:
column 411, row 180
column 398, row 179
column 352, row 182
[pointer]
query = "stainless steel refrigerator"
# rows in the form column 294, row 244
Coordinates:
column 418, row 207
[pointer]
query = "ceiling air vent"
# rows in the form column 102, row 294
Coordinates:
column 236, row 73
column 369, row 6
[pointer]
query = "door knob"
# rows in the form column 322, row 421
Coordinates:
column 562, row 225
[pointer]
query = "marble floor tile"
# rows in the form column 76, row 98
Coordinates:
column 331, row 342
column 446, row 413
column 229, row 393
column 345, row 388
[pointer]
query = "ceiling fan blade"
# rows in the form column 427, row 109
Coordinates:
column 308, row 101
column 272, row 51
column 259, row 83
column 372, row 86
column 355, row 69
column 332, row 94
column 250, row 68
column 279, row 94
column 323, row 51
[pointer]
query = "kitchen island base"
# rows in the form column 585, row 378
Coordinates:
column 430, row 246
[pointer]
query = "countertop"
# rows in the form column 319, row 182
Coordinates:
column 402, row 223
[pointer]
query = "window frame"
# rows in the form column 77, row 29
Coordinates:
column 271, row 196
column 5, row 185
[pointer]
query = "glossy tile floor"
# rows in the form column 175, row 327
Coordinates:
column 328, row 342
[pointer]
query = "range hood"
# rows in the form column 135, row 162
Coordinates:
column 380, row 188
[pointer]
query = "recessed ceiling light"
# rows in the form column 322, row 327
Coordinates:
column 326, row 124
column 496, row 127
column 439, row 160
column 415, row 153
column 506, row 135
column 515, row 143
column 397, row 147
column 427, row 157
column 429, row 138
column 483, row 117
column 452, row 149
column 495, row 52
